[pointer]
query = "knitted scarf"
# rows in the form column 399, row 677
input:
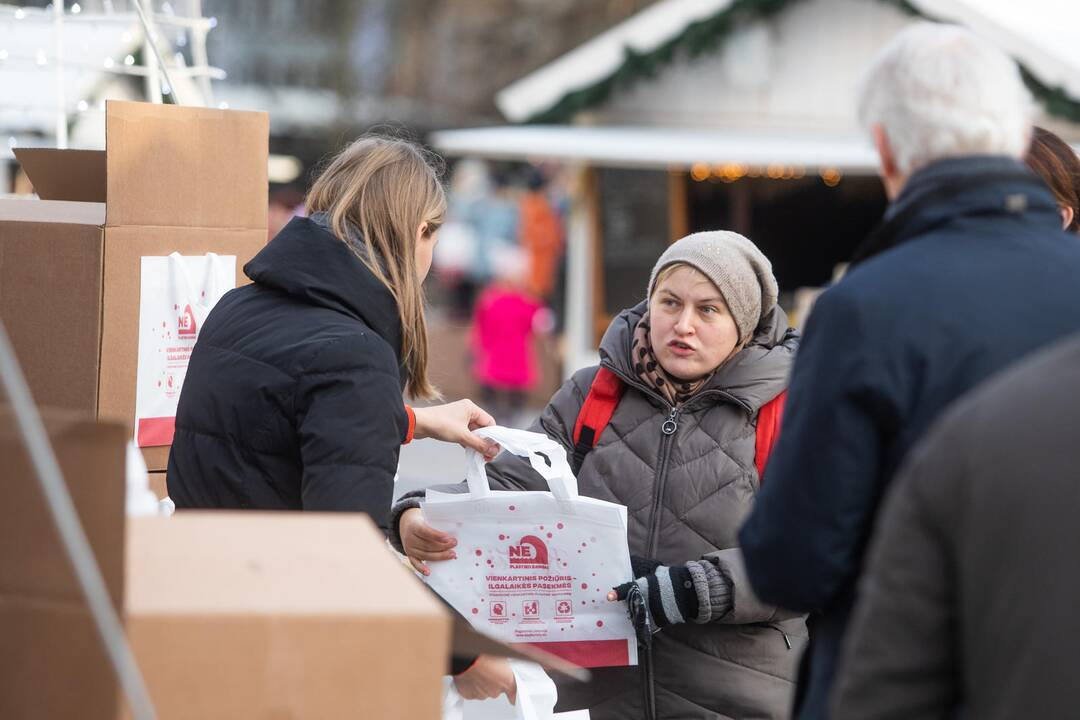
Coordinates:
column 648, row 369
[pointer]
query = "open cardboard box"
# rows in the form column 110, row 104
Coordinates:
column 191, row 180
column 230, row 615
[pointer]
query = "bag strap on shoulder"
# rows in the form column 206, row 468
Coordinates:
column 595, row 414
column 604, row 395
column 768, row 430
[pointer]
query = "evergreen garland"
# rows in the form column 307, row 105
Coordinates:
column 707, row 35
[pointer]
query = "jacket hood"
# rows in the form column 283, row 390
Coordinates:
column 754, row 376
column 957, row 187
column 311, row 264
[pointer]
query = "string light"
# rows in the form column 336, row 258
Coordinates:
column 83, row 106
column 129, row 60
column 76, row 9
column 831, row 176
column 699, row 171
column 20, row 14
column 109, row 62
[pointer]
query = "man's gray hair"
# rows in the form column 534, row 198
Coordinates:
column 940, row 91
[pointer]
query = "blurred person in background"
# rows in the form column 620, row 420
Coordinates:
column 285, row 203
column 293, row 396
column 968, row 603
column 969, row 272
column 1056, row 163
column 506, row 319
column 457, row 248
column 541, row 236
column 494, row 219
column 697, row 361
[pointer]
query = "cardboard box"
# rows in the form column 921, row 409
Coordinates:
column 230, row 615
column 191, row 180
column 51, row 661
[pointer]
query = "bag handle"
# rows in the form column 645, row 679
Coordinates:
column 545, row 455
column 182, row 281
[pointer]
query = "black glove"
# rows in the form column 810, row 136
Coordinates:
column 666, row 596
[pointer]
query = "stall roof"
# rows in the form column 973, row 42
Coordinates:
column 657, row 147
column 1041, row 34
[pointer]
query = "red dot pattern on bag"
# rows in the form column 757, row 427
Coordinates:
column 599, row 623
column 584, row 586
column 479, row 553
column 512, row 508
column 560, row 526
column 475, row 611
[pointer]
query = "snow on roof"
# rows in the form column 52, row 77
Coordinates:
column 657, row 148
column 1044, row 35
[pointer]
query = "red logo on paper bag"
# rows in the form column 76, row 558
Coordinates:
column 186, row 322
column 530, row 552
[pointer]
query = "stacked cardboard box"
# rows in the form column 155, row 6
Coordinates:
column 230, row 615
column 171, row 179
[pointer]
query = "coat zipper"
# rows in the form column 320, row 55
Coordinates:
column 668, row 429
column 777, row 628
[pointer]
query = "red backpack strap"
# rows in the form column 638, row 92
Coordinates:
column 768, row 430
column 595, row 413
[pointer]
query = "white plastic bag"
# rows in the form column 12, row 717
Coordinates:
column 536, row 567
column 536, row 696
column 176, row 294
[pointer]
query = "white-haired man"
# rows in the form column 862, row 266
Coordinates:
column 969, row 271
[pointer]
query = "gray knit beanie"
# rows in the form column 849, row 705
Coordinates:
column 738, row 269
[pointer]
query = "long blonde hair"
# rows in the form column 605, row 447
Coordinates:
column 388, row 187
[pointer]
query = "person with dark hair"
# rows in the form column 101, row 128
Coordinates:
column 1057, row 164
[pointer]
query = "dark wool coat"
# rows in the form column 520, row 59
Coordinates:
column 968, row 604
column 293, row 396
column 970, row 272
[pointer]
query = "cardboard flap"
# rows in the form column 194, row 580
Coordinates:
column 185, row 166
column 77, row 175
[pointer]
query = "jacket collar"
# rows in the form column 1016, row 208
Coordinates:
column 308, row 262
column 757, row 374
column 957, row 187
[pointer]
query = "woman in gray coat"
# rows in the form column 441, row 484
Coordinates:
column 698, row 359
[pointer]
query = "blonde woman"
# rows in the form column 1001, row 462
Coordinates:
column 293, row 396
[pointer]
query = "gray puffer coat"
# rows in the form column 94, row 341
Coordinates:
column 686, row 494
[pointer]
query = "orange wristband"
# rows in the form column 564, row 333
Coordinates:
column 412, row 425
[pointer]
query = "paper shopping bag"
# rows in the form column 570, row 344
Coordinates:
column 176, row 295
column 536, row 567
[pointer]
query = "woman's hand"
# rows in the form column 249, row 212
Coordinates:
column 423, row 542
column 489, row 677
column 454, row 422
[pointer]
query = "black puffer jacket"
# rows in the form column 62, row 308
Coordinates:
column 292, row 398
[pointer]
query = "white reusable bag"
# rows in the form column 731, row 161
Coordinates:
column 176, row 294
column 536, row 567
